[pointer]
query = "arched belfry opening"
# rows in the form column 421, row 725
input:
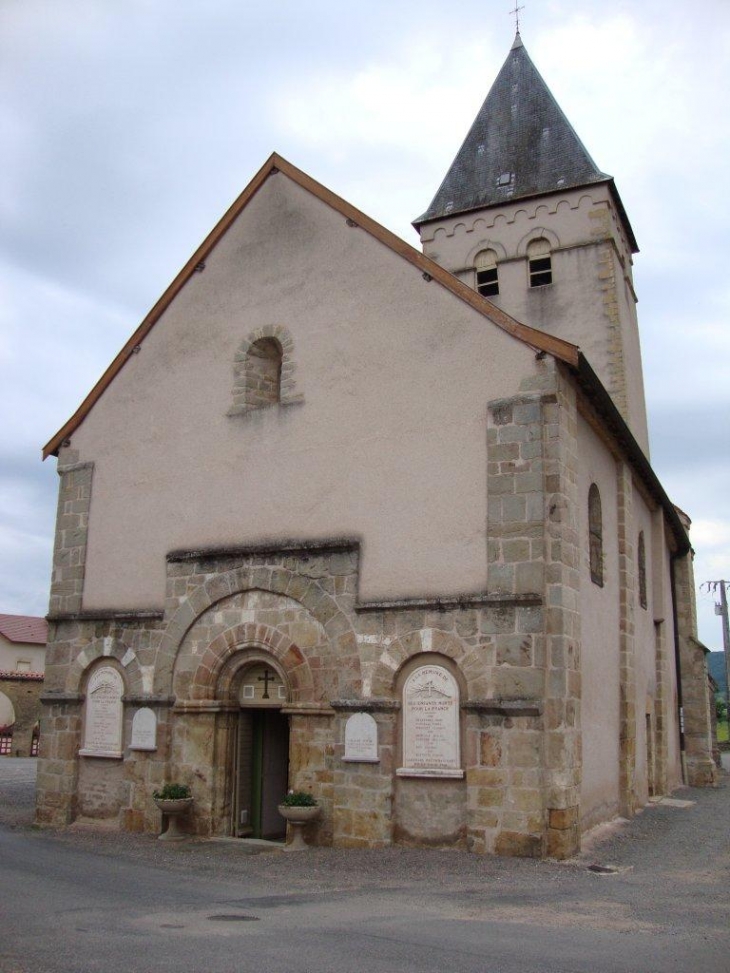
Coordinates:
column 260, row 765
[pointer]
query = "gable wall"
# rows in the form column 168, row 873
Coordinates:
column 388, row 445
column 12, row 652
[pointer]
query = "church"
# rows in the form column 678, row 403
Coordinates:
column 380, row 524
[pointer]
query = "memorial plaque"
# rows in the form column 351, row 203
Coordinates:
column 144, row 730
column 361, row 739
column 431, row 724
column 103, row 731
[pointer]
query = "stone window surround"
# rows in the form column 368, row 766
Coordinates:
column 641, row 565
column 539, row 262
column 487, row 272
column 595, row 535
column 468, row 273
column 289, row 392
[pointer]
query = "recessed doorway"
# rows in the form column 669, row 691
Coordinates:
column 261, row 759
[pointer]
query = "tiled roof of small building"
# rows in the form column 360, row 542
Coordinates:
column 24, row 628
column 521, row 144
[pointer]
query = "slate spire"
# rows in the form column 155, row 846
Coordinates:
column 520, row 144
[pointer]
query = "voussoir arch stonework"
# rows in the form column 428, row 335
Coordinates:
column 289, row 388
column 246, row 656
column 244, row 643
column 106, row 648
column 337, row 647
column 434, row 642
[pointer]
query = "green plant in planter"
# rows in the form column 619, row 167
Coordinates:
column 299, row 799
column 172, row 792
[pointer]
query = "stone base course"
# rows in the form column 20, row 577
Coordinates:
column 298, row 611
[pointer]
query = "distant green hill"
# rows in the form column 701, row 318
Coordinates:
column 716, row 666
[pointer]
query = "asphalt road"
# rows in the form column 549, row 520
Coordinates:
column 82, row 902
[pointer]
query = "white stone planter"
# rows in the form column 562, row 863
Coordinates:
column 173, row 808
column 297, row 818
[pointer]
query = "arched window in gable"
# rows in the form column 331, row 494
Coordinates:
column 487, row 274
column 642, row 570
column 539, row 263
column 264, row 371
column 595, row 535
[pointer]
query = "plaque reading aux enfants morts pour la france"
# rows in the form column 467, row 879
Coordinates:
column 103, row 714
column 431, row 724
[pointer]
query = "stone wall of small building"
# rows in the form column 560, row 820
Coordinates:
column 24, row 691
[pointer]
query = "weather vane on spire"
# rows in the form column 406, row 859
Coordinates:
column 516, row 12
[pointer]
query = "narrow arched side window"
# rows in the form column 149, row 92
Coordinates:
column 595, row 535
column 264, row 371
column 642, row 570
column 485, row 263
column 539, row 263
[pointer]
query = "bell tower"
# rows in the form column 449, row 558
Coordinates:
column 526, row 217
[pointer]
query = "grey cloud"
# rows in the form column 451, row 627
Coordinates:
column 127, row 130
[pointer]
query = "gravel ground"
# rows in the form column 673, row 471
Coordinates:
column 104, row 902
column 692, row 843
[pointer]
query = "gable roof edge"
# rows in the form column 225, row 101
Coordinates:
column 557, row 347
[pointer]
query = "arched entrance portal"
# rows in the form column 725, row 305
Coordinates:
column 261, row 758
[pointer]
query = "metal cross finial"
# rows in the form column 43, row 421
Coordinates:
column 516, row 12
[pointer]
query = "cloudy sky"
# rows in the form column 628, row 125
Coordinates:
column 127, row 127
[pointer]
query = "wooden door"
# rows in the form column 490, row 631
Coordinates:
column 261, row 773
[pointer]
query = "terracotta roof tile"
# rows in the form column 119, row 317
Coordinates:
column 24, row 628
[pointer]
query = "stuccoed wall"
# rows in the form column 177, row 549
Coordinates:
column 13, row 652
column 381, row 437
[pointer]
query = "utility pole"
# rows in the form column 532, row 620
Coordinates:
column 714, row 587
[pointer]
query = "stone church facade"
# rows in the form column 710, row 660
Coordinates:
column 336, row 519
